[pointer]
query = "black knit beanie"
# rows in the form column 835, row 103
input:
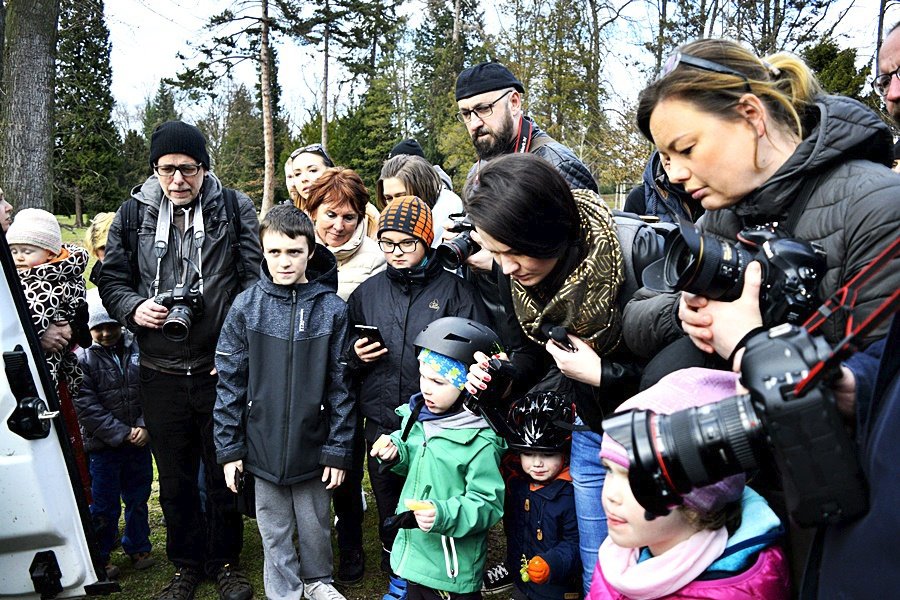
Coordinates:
column 178, row 137
column 485, row 77
column 410, row 147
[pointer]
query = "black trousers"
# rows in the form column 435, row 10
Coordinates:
column 347, row 498
column 420, row 592
column 178, row 414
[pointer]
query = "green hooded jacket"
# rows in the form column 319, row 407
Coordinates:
column 454, row 462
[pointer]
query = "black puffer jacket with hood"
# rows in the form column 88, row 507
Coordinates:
column 280, row 369
column 401, row 302
column 853, row 212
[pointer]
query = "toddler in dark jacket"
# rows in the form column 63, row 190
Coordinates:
column 282, row 412
column 542, row 532
column 112, row 426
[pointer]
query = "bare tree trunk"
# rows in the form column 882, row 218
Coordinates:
column 881, row 8
column 26, row 107
column 79, row 209
column 456, row 17
column 268, row 198
column 325, row 40
column 2, row 40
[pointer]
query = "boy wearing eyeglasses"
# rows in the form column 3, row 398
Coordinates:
column 412, row 292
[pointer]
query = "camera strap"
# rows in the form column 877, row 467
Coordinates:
column 845, row 299
column 161, row 239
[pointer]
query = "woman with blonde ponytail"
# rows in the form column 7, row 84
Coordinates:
column 755, row 141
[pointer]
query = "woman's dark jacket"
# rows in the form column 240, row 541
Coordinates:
column 279, row 362
column 401, row 302
column 107, row 403
column 853, row 212
column 542, row 522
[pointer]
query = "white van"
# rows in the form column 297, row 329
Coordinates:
column 46, row 540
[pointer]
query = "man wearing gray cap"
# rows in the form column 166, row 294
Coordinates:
column 489, row 98
column 179, row 250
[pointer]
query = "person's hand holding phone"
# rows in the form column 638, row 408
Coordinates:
column 370, row 345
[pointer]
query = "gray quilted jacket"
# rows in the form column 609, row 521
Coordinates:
column 853, row 212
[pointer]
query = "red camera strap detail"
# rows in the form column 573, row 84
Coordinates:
column 845, row 299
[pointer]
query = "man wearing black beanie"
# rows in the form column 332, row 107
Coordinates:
column 489, row 98
column 178, row 251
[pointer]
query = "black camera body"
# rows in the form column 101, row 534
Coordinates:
column 185, row 305
column 453, row 253
column 704, row 264
column 489, row 403
column 821, row 477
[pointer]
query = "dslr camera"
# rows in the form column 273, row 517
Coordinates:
column 185, row 304
column 704, row 264
column 820, row 473
column 453, row 253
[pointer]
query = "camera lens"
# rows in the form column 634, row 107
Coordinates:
column 706, row 444
column 177, row 325
column 453, row 253
column 703, row 264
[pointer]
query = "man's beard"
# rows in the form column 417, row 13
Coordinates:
column 895, row 113
column 495, row 143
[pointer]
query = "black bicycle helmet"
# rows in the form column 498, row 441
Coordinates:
column 458, row 338
column 541, row 422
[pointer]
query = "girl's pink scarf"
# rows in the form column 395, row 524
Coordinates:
column 664, row 574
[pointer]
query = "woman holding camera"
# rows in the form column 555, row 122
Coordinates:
column 756, row 141
column 562, row 266
column 410, row 175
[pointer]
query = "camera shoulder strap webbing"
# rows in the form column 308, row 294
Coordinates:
column 799, row 205
column 234, row 230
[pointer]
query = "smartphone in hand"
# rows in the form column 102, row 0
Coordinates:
column 370, row 332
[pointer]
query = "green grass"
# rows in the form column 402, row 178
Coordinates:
column 141, row 585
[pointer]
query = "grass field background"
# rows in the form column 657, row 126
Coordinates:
column 145, row 585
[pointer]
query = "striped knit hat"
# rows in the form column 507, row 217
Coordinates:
column 35, row 227
column 408, row 214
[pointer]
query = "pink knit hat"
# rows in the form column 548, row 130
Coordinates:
column 676, row 391
column 35, row 227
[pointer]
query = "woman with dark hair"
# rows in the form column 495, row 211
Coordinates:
column 337, row 205
column 562, row 266
column 410, row 175
column 757, row 141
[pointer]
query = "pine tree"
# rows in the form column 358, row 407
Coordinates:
column 87, row 158
column 135, row 166
column 158, row 110
column 241, row 159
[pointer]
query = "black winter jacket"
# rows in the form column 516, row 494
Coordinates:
column 401, row 302
column 107, row 403
column 853, row 212
column 280, row 367
column 221, row 280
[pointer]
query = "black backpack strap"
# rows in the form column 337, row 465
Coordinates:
column 131, row 222
column 232, row 213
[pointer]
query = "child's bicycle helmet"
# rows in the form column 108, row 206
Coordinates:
column 541, row 422
column 458, row 338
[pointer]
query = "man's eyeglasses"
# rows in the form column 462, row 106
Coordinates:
column 482, row 111
column 313, row 148
column 405, row 246
column 883, row 82
column 186, row 170
column 679, row 58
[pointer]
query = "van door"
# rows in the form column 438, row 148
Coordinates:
column 46, row 539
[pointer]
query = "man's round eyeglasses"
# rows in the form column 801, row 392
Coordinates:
column 482, row 111
column 169, row 170
column 883, row 82
column 405, row 246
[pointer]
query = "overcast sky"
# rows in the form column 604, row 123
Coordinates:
column 146, row 35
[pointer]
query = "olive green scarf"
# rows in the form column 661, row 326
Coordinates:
column 585, row 304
